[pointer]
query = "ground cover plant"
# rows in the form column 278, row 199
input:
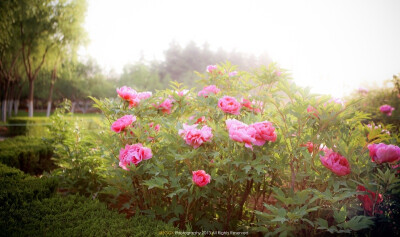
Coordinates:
column 249, row 151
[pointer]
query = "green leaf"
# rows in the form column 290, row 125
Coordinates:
column 341, row 215
column 156, row 182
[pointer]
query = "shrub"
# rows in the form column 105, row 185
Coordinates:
column 75, row 153
column 76, row 216
column 260, row 160
column 29, row 154
column 28, row 126
column 18, row 188
column 372, row 100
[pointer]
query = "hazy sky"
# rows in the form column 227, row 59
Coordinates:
column 332, row 46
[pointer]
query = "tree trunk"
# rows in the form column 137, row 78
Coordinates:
column 73, row 107
column 16, row 106
column 50, row 98
column 30, row 99
column 10, row 106
column 4, row 110
column 4, row 103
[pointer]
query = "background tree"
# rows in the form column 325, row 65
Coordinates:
column 45, row 24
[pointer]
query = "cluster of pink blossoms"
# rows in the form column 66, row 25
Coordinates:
column 335, row 162
column 122, row 123
column 382, row 153
column 195, row 137
column 254, row 134
column 201, row 178
column 133, row 154
column 212, row 89
column 165, row 106
column 229, row 105
column 254, row 106
column 368, row 200
column 211, row 68
column 132, row 96
column 386, row 109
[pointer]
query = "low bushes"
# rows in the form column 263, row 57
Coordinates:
column 28, row 208
column 35, row 126
column 29, row 154
column 18, row 188
column 77, row 216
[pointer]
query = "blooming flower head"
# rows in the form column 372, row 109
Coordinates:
column 382, row 153
column 195, row 137
column 253, row 106
column 133, row 154
column 386, row 109
column 201, row 178
column 165, row 106
column 211, row 68
column 278, row 73
column 212, row 89
column 202, row 119
column 241, row 132
column 335, row 162
column 362, row 90
column 126, row 93
column 122, row 123
column 232, row 74
column 182, row 92
column 369, row 199
column 312, row 110
column 144, row 95
column 229, row 105
column 264, row 132
column 309, row 145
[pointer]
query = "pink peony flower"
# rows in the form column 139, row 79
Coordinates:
column 133, row 154
column 122, row 123
column 312, row 110
column 309, row 145
column 367, row 202
column 264, row 132
column 182, row 92
column 229, row 105
column 208, row 90
column 232, row 74
column 241, row 132
column 126, row 93
column 253, row 106
column 144, row 95
column 278, row 73
column 386, row 109
column 211, row 68
column 165, row 106
column 362, row 90
column 195, row 137
column 335, row 162
column 202, row 119
column 201, row 178
column 382, row 153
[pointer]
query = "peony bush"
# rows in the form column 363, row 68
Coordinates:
column 249, row 151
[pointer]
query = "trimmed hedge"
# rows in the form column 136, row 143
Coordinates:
column 18, row 188
column 28, row 126
column 28, row 207
column 29, row 154
column 77, row 216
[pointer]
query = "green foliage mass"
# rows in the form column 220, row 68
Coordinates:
column 29, row 154
column 27, row 126
column 280, row 188
column 372, row 100
column 29, row 207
